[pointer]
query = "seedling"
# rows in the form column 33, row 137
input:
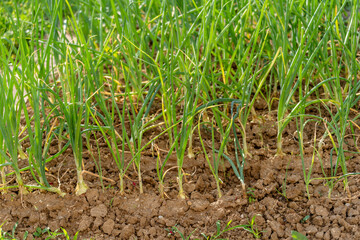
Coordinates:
column 227, row 228
column 298, row 236
column 252, row 228
column 251, row 195
column 11, row 236
column 68, row 237
column 46, row 233
column 216, row 236
column 174, row 230
column 307, row 217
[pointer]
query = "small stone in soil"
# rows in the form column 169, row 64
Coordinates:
column 132, row 220
column 189, row 187
column 327, row 235
column 293, row 218
column 200, row 184
column 293, row 191
column 319, row 235
column 127, row 231
column 311, row 230
column 108, row 226
column 98, row 221
column 277, row 228
column 173, row 208
column 335, row 233
column 321, row 211
column 274, row 236
column 85, row 223
column 99, row 211
column 92, row 195
column 199, row 205
column 152, row 231
column 318, row 220
column 353, row 212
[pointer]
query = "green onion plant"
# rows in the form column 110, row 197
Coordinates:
column 10, row 113
column 214, row 164
column 135, row 71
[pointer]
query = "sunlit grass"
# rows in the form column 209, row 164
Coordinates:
column 79, row 67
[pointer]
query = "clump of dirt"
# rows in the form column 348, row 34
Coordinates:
column 276, row 196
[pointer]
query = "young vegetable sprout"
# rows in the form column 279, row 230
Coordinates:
column 10, row 113
column 214, row 165
column 73, row 108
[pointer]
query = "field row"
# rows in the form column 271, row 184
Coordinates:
column 75, row 71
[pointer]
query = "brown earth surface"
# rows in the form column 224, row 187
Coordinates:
column 276, row 195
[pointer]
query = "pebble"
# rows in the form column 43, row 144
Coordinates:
column 311, row 229
column 335, row 233
column 108, row 226
column 99, row 211
column 127, row 231
column 321, row 211
column 199, row 205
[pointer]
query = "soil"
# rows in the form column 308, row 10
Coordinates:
column 276, row 194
